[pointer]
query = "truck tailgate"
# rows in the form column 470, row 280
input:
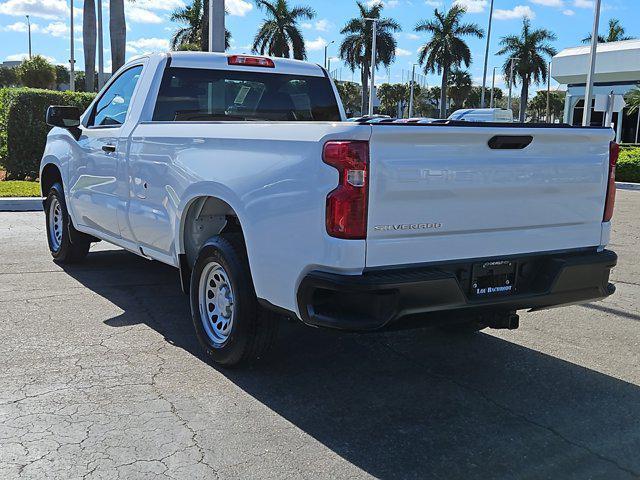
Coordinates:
column 441, row 193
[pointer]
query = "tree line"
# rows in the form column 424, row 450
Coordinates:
column 445, row 51
column 38, row 72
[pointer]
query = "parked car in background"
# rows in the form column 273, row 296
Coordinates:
column 415, row 120
column 406, row 120
column 241, row 172
column 369, row 118
column 380, row 120
column 494, row 115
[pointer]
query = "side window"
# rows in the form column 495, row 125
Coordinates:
column 113, row 105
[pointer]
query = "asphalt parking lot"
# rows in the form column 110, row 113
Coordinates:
column 101, row 378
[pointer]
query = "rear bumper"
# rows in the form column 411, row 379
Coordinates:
column 380, row 297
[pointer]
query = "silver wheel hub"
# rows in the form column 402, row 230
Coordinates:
column 216, row 301
column 55, row 224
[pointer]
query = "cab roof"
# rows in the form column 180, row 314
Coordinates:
column 218, row 61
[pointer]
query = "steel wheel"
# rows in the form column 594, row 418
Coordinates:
column 228, row 321
column 216, row 301
column 55, row 224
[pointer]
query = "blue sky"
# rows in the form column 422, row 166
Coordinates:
column 149, row 28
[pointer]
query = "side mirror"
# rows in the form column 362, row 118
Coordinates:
column 63, row 116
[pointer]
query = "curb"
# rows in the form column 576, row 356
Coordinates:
column 628, row 186
column 21, row 204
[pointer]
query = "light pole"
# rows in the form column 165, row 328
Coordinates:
column 372, row 86
column 486, row 59
column 549, row 93
column 513, row 59
column 413, row 75
column 100, row 48
column 586, row 115
column 72, row 60
column 216, row 26
column 493, row 88
column 326, row 47
column 29, row 28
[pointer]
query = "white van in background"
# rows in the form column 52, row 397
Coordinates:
column 499, row 115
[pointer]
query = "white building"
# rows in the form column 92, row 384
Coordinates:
column 617, row 71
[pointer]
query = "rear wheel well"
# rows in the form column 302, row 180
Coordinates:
column 50, row 175
column 207, row 217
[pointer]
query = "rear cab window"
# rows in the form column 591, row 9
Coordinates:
column 195, row 95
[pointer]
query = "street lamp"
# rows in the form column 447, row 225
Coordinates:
column 326, row 47
column 72, row 60
column 486, row 58
column 100, row 48
column 29, row 28
column 493, row 88
column 372, row 86
column 586, row 116
column 549, row 93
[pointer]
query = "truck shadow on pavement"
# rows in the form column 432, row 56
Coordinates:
column 412, row 404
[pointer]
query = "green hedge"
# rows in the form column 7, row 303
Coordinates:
column 628, row 169
column 23, row 131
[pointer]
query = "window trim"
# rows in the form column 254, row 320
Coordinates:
column 91, row 116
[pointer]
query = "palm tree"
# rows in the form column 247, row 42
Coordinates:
column 117, row 33
column 197, row 19
column 459, row 86
column 191, row 17
column 89, row 38
column 633, row 100
column 616, row 33
column 446, row 48
column 355, row 49
column 529, row 51
column 350, row 94
column 279, row 34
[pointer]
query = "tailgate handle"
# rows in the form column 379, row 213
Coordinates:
column 510, row 142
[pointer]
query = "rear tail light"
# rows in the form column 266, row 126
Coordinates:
column 347, row 203
column 614, row 152
column 250, row 61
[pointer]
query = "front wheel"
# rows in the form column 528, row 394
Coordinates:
column 230, row 325
column 66, row 244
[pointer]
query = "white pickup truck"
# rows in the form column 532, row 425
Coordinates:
column 242, row 172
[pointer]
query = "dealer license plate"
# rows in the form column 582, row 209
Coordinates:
column 496, row 277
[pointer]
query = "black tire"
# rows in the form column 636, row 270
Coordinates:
column 463, row 328
column 253, row 330
column 72, row 246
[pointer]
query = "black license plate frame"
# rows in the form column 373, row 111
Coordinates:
column 493, row 278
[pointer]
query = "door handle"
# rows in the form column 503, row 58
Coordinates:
column 109, row 148
column 510, row 142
